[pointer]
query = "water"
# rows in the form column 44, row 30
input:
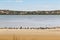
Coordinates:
column 29, row 20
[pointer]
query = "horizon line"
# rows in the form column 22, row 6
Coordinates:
column 30, row 10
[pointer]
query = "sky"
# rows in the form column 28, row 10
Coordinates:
column 30, row 5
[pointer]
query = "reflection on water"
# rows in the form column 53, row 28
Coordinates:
column 29, row 20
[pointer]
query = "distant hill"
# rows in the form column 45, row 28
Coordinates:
column 10, row 12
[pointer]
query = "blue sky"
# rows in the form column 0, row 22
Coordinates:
column 30, row 4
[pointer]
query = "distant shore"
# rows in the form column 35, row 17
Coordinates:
column 11, row 12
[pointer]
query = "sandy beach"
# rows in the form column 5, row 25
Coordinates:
column 29, row 34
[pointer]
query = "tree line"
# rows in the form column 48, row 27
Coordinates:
column 11, row 12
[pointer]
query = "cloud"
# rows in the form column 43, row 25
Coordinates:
column 12, row 1
column 19, row 0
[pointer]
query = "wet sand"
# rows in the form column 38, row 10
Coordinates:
column 29, row 34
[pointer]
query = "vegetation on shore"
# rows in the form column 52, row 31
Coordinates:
column 10, row 12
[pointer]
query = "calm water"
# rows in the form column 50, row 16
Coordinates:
column 29, row 20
